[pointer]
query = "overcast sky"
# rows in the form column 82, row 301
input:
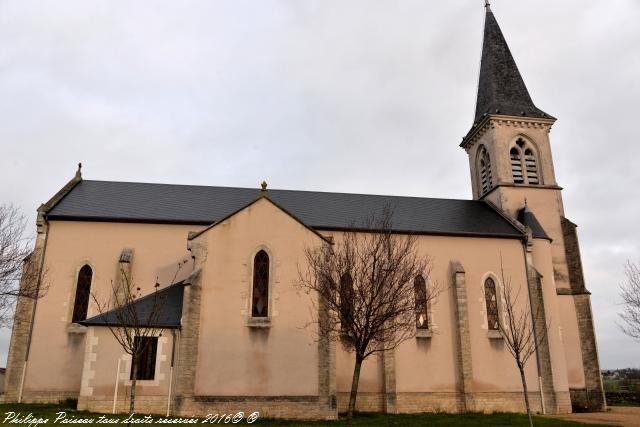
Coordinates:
column 366, row 96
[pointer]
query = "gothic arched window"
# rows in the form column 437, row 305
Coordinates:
column 491, row 300
column 83, row 292
column 484, row 167
column 422, row 316
column 524, row 166
column 260, row 295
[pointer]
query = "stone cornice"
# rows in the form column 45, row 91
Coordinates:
column 490, row 121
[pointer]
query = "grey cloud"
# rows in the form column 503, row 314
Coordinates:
column 361, row 96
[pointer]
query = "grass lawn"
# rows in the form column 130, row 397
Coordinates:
column 361, row 420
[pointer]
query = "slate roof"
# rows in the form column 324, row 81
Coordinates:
column 189, row 204
column 169, row 300
column 501, row 89
column 527, row 218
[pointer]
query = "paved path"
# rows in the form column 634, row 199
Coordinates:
column 628, row 416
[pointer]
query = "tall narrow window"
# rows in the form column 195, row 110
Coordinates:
column 346, row 298
column 486, row 180
column 516, row 165
column 532, row 168
column 260, row 299
column 422, row 317
column 83, row 291
column 147, row 359
column 491, row 300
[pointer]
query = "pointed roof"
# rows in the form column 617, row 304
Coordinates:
column 501, row 89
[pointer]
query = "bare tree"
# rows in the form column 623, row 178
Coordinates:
column 366, row 291
column 518, row 327
column 21, row 274
column 131, row 323
column 630, row 293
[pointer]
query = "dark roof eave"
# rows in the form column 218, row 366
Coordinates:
column 157, row 326
column 142, row 220
column 427, row 232
column 315, row 227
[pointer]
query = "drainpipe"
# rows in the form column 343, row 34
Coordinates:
column 115, row 390
column 173, row 353
column 526, row 266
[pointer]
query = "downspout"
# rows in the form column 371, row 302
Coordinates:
column 535, row 332
column 173, row 353
column 35, row 305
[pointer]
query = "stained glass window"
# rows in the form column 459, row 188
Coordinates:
column 422, row 318
column 83, row 292
column 346, row 298
column 491, row 300
column 260, row 302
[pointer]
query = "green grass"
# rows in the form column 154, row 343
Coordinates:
column 360, row 420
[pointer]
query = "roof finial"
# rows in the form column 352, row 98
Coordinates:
column 525, row 202
column 263, row 186
column 487, row 5
column 79, row 171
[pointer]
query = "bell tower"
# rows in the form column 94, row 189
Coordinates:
column 512, row 168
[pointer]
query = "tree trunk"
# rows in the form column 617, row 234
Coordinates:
column 354, row 390
column 526, row 393
column 134, row 375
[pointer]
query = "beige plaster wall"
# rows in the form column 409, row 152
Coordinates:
column 56, row 357
column 235, row 358
column 555, row 332
column 429, row 364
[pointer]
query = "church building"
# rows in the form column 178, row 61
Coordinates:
column 234, row 330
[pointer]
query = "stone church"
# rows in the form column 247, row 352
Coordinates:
column 234, row 330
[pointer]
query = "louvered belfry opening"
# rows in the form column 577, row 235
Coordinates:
column 83, row 292
column 260, row 300
column 532, row 167
column 491, row 301
column 422, row 318
column 524, row 167
column 516, row 166
column 486, row 180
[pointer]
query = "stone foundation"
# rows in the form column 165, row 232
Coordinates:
column 585, row 400
column 104, row 404
column 47, row 396
column 313, row 407
column 298, row 407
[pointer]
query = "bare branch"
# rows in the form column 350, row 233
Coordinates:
column 128, row 325
column 21, row 274
column 630, row 293
column 365, row 283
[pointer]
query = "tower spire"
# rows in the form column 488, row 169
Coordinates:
column 501, row 89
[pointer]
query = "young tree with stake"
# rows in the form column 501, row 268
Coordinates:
column 521, row 338
column 128, row 323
